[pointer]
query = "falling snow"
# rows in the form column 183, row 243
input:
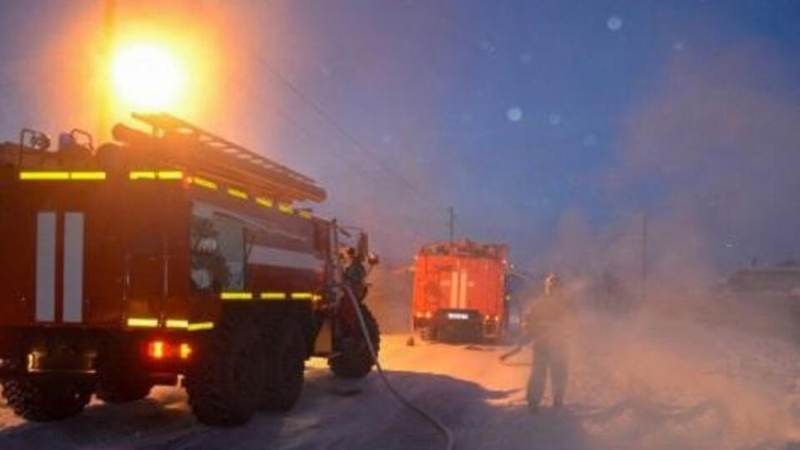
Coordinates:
column 614, row 23
column 487, row 46
column 514, row 114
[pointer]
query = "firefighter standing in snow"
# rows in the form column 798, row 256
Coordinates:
column 548, row 323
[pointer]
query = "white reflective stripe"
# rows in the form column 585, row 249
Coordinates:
column 73, row 267
column 462, row 294
column 46, row 267
column 269, row 256
column 454, row 289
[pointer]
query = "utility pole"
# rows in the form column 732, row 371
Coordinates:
column 451, row 223
column 644, row 258
column 104, row 115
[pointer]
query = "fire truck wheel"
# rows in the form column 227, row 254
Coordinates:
column 285, row 357
column 354, row 359
column 227, row 378
column 42, row 399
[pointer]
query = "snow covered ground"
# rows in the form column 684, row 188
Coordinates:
column 644, row 383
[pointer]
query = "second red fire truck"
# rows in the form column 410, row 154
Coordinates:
column 459, row 291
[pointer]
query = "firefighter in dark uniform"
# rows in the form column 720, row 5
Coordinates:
column 354, row 278
column 355, row 274
column 549, row 326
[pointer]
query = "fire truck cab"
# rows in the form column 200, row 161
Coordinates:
column 168, row 252
column 460, row 291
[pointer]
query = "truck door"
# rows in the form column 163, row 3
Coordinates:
column 146, row 273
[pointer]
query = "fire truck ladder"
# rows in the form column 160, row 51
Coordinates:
column 219, row 158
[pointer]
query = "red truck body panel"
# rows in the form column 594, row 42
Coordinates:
column 96, row 253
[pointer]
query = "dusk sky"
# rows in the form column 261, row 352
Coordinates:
column 553, row 126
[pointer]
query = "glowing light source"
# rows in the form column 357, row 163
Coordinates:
column 156, row 350
column 148, row 77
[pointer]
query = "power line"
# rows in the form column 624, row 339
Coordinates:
column 346, row 134
column 336, row 125
column 242, row 82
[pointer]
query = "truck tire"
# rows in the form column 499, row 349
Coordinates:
column 42, row 399
column 226, row 379
column 285, row 356
column 354, row 359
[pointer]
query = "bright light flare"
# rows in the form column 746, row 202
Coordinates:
column 156, row 350
column 148, row 77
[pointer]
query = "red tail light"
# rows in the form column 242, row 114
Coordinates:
column 156, row 349
column 159, row 350
column 186, row 351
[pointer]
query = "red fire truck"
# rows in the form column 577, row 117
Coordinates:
column 459, row 291
column 168, row 252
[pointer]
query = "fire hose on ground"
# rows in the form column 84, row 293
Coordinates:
column 517, row 348
column 442, row 428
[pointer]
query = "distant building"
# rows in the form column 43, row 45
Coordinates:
column 781, row 279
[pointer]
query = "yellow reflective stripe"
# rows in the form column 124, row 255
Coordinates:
column 176, row 323
column 152, row 175
column 316, row 297
column 142, row 322
column 200, row 326
column 141, row 175
column 293, row 296
column 170, row 175
column 87, row 175
column 236, row 296
column 285, row 208
column 36, row 175
column 237, row 193
column 304, row 214
column 44, row 175
column 204, row 183
column 264, row 202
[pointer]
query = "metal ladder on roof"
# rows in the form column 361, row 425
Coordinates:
column 234, row 162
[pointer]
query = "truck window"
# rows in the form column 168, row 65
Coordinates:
column 230, row 238
column 216, row 253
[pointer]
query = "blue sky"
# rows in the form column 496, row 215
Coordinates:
column 520, row 114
